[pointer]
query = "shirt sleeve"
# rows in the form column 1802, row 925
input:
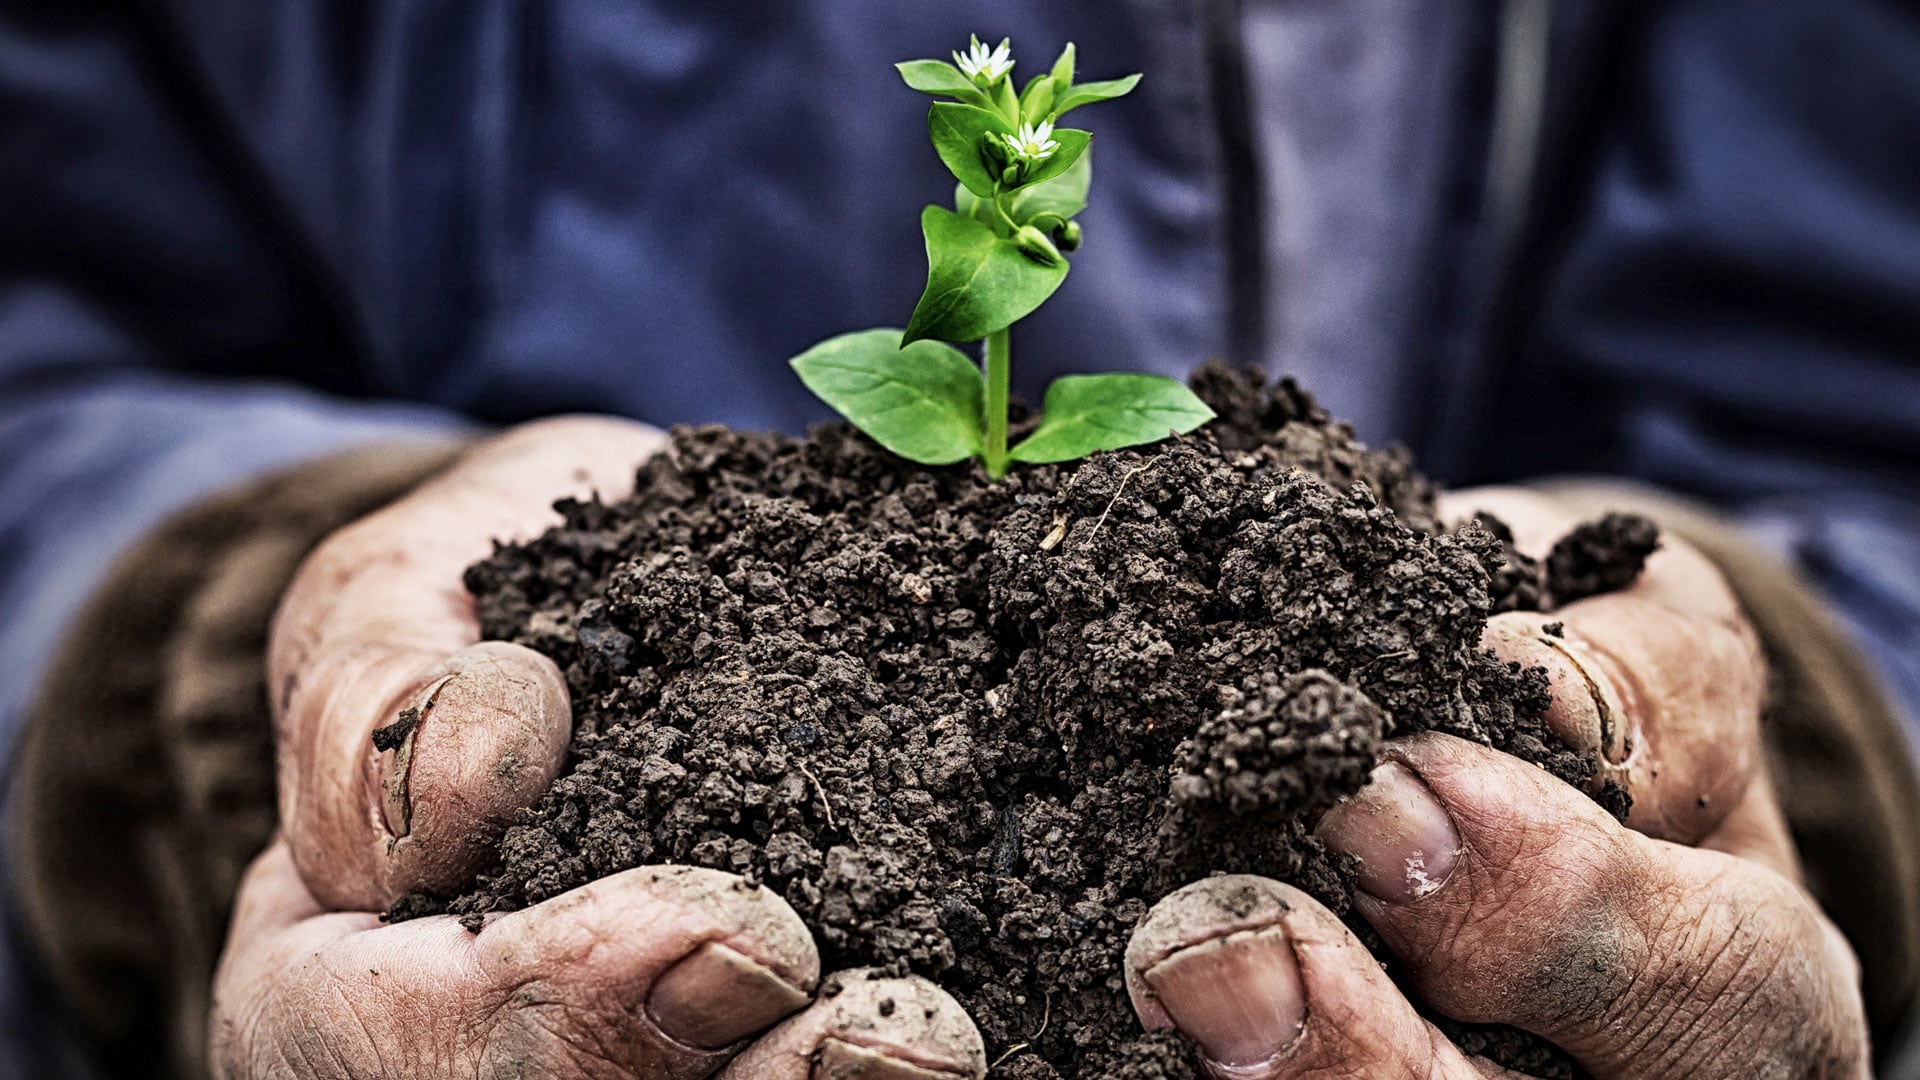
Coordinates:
column 163, row 335
column 162, row 332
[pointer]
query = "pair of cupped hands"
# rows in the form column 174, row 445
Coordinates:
column 1679, row 944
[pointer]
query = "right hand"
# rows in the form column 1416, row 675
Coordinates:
column 658, row 973
column 1678, row 946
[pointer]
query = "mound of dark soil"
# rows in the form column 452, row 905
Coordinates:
column 975, row 730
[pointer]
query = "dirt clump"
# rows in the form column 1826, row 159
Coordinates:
column 1599, row 557
column 975, row 730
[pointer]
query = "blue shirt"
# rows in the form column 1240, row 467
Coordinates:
column 1680, row 244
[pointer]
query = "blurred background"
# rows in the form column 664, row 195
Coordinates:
column 1677, row 242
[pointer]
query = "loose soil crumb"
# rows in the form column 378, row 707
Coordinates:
column 1600, row 557
column 395, row 734
column 975, row 730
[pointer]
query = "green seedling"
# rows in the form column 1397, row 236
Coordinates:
column 991, row 261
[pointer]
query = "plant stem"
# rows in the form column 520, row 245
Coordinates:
column 999, row 361
column 1001, row 209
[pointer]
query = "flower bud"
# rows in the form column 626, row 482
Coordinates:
column 986, row 67
column 1068, row 236
column 1034, row 245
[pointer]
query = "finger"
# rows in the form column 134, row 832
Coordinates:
column 658, row 972
column 1756, row 830
column 666, row 969
column 870, row 1028
column 1664, row 680
column 1514, row 899
column 1669, row 704
column 377, row 622
column 1271, row 986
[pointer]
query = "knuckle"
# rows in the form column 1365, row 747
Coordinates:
column 536, row 1030
column 1737, row 979
column 1587, row 959
column 1543, row 935
column 314, row 1021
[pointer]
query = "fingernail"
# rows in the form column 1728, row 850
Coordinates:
column 395, row 743
column 716, row 997
column 839, row 1060
column 1595, row 692
column 1239, row 997
column 1402, row 836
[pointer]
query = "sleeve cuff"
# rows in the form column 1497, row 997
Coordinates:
column 143, row 780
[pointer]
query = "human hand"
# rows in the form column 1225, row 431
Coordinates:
column 1677, row 945
column 658, row 972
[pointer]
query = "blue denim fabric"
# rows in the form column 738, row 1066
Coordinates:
column 234, row 235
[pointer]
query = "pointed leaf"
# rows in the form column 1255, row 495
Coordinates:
column 923, row 402
column 1005, row 100
column 1088, row 93
column 1063, row 70
column 977, row 282
column 1084, row 413
column 1036, row 101
column 1065, row 194
column 940, row 77
column 1073, row 143
column 959, row 133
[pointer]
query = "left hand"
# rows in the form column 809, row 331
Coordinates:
column 653, row 973
column 1678, row 945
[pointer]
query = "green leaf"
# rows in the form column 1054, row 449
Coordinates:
column 922, row 401
column 959, row 132
column 967, row 204
column 1073, row 143
column 1084, row 413
column 1088, row 93
column 1005, row 100
column 1063, row 70
column 940, row 77
column 977, row 282
column 1036, row 101
column 1065, row 194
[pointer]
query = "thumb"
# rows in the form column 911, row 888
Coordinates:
column 1512, row 898
column 405, row 746
column 1271, row 986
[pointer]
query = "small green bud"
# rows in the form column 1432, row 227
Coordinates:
column 1068, row 236
column 1034, row 245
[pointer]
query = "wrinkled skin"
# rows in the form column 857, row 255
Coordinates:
column 665, row 972
column 1679, row 944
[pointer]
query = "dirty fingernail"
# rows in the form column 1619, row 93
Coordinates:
column 838, row 1060
column 1239, row 997
column 1402, row 836
column 717, row 996
column 395, row 744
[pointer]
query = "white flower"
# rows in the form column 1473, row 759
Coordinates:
column 986, row 67
column 1033, row 144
